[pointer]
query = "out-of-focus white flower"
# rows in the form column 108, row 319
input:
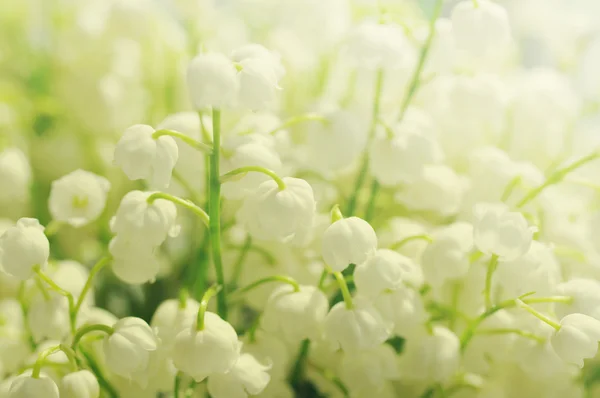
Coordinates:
column 295, row 315
column 577, row 338
column 48, row 319
column 367, row 371
column 24, row 247
column 143, row 157
column 359, row 328
column 273, row 214
column 170, row 318
column 217, row 344
column 371, row 45
column 138, row 220
column 480, row 28
column 348, row 241
column 386, row 270
column 404, row 308
column 78, row 197
column 127, row 350
column 246, row 377
column 212, row 81
column 15, row 175
column 133, row 261
column 585, row 297
column 81, row 384
column 25, row 386
column 501, row 232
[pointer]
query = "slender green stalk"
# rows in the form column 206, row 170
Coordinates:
column 259, row 169
column 519, row 332
column 183, row 296
column 557, row 177
column 329, row 375
column 402, row 242
column 102, row 380
column 298, row 370
column 370, row 212
column 185, row 138
column 299, row 119
column 268, row 279
column 416, row 76
column 37, row 367
column 210, row 293
column 89, row 329
column 510, row 187
column 538, row 315
column 214, row 209
column 182, row 202
column 60, row 291
column 40, row 284
column 344, row 289
column 488, row 281
column 52, row 228
column 177, row 386
column 323, row 279
column 239, row 263
column 364, row 166
column 88, row 284
column 336, row 213
column 71, row 356
column 551, row 299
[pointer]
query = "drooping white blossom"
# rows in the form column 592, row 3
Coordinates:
column 348, row 241
column 24, row 247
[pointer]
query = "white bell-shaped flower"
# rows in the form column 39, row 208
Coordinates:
column 386, row 270
column 295, row 315
column 403, row 157
column 142, row 157
column 348, row 241
column 81, row 384
column 355, row 329
column 25, row 386
column 371, row 45
column 144, row 222
column 48, row 319
column 270, row 349
column 127, row 350
column 447, row 257
column 432, row 357
column 368, row 370
column 78, row 197
column 246, row 377
column 212, row 81
column 258, row 150
column 170, row 318
column 438, row 190
column 585, row 297
column 259, row 76
column 270, row 213
column 480, row 27
column 404, row 308
column 15, row 175
column 24, row 247
column 501, row 232
column 201, row 353
column 133, row 261
column 577, row 338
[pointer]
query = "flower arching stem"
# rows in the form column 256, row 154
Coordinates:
column 188, row 204
column 259, row 169
column 210, row 293
column 488, row 281
column 185, row 138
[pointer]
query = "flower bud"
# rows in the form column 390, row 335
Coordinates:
column 247, row 377
column 15, row 176
column 577, row 338
column 81, row 384
column 24, row 247
column 212, row 81
column 78, row 197
column 201, row 353
column 295, row 315
column 143, row 157
column 273, row 214
column 348, row 241
column 25, row 386
column 127, row 350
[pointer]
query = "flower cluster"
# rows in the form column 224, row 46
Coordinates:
column 382, row 198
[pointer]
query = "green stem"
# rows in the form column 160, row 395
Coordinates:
column 550, row 299
column 210, row 293
column 214, row 209
column 89, row 329
column 185, row 138
column 336, row 213
column 252, row 329
column 182, row 202
column 299, row 365
column 416, row 76
column 323, row 279
column 519, row 332
column 177, row 385
column 62, row 292
column 362, row 173
column 538, row 315
column 298, row 119
column 274, row 278
column 88, row 284
column 37, row 367
column 102, row 380
column 344, row 289
column 52, row 228
column 71, row 355
column 370, row 212
column 488, row 281
column 183, row 296
column 40, row 284
column 557, row 177
column 329, row 375
column 510, row 187
column 259, row 169
column 402, row 242
column 238, row 266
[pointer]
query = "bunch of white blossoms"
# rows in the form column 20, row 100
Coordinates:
column 388, row 200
